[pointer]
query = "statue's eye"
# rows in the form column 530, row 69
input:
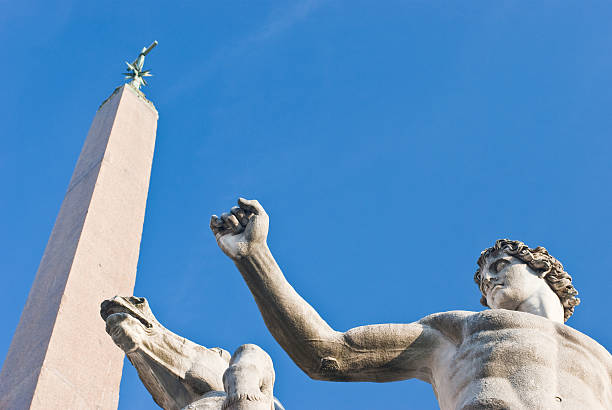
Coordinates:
column 499, row 264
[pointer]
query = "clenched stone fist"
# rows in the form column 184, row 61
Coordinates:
column 242, row 230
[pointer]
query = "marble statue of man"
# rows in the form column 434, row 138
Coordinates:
column 517, row 355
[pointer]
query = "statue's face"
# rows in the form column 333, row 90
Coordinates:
column 126, row 331
column 507, row 281
column 128, row 319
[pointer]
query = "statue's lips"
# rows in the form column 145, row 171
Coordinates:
column 111, row 307
column 493, row 287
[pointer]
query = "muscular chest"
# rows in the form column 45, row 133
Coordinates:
column 496, row 343
column 508, row 353
column 524, row 360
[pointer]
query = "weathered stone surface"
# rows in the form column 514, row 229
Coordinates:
column 518, row 355
column 181, row 374
column 92, row 254
column 249, row 380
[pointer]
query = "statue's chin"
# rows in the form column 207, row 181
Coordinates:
column 504, row 298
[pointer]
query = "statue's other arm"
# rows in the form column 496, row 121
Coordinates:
column 369, row 353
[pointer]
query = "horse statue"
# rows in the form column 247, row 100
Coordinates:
column 181, row 374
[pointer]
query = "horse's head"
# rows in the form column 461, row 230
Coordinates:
column 174, row 370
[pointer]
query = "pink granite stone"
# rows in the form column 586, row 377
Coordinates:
column 61, row 356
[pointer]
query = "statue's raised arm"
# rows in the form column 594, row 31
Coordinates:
column 369, row 353
column 518, row 354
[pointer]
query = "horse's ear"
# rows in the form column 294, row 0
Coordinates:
column 223, row 353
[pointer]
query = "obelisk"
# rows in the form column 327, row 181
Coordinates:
column 60, row 356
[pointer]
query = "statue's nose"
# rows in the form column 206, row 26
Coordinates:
column 103, row 307
column 486, row 280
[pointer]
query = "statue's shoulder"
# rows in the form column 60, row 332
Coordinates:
column 450, row 324
column 574, row 337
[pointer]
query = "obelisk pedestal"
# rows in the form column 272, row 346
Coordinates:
column 60, row 356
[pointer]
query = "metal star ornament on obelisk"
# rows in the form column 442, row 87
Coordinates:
column 135, row 71
column 58, row 359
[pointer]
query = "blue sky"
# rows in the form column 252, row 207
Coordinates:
column 390, row 142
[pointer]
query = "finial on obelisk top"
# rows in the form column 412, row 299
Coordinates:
column 135, row 71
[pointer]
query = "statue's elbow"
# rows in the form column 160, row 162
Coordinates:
column 323, row 360
column 326, row 369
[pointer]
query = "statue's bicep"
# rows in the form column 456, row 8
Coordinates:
column 389, row 352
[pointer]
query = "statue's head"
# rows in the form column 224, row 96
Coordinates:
column 510, row 271
column 174, row 370
column 129, row 321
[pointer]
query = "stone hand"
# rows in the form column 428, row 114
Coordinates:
column 241, row 230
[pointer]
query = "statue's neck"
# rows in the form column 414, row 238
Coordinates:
column 160, row 361
column 544, row 302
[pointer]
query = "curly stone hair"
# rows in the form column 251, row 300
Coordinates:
column 538, row 259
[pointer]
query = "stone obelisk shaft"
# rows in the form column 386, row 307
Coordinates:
column 60, row 356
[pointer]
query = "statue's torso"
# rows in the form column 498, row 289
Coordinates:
column 502, row 359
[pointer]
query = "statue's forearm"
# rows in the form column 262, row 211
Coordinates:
column 297, row 327
column 366, row 353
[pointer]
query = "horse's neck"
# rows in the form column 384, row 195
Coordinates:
column 161, row 364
